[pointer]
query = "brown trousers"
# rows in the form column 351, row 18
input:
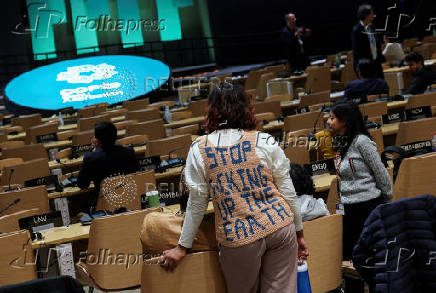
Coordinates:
column 268, row 265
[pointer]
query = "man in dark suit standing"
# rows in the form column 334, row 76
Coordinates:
column 296, row 43
column 107, row 159
column 364, row 41
column 368, row 84
column 422, row 76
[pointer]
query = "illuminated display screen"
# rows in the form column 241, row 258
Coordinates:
column 86, row 81
column 93, row 23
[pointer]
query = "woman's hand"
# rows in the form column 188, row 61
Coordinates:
column 303, row 251
column 171, row 258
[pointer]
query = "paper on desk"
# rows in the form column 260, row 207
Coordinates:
column 337, row 94
column 317, row 62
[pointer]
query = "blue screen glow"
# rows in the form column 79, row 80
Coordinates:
column 86, row 81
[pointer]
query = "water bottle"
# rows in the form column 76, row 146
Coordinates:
column 337, row 61
column 168, row 115
column 61, row 119
column 303, row 282
column 434, row 142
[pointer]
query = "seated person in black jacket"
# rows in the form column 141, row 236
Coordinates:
column 422, row 76
column 107, row 159
column 368, row 84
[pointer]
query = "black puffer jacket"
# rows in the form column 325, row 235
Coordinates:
column 396, row 251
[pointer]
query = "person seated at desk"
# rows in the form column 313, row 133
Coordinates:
column 107, row 159
column 368, row 84
column 324, row 145
column 422, row 76
column 310, row 207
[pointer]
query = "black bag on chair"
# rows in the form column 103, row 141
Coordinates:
column 402, row 154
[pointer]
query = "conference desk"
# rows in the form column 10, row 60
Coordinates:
column 74, row 125
column 296, row 103
column 18, row 136
column 390, row 129
column 68, row 127
column 184, row 122
column 387, row 129
column 57, row 144
column 396, row 104
column 174, row 124
column 77, row 231
column 70, row 191
column 74, row 191
column 304, row 75
column 321, row 183
column 71, row 163
column 59, row 235
column 429, row 62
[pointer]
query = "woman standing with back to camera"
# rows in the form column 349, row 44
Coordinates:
column 257, row 218
column 364, row 181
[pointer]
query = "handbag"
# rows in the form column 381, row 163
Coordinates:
column 161, row 231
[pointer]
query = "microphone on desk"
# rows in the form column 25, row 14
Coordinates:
column 9, row 184
column 311, row 136
column 17, row 200
column 171, row 163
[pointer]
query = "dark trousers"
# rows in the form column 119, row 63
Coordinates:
column 354, row 218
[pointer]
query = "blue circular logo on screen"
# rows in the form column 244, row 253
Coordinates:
column 86, row 81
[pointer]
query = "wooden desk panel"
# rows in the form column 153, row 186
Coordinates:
column 389, row 129
column 19, row 136
column 74, row 125
column 67, row 127
column 396, row 104
column 60, row 235
column 77, row 231
column 184, row 122
column 70, row 191
column 173, row 209
column 71, row 163
column 322, row 182
column 58, row 144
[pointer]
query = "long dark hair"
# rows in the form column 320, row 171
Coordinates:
column 350, row 113
column 230, row 107
column 301, row 179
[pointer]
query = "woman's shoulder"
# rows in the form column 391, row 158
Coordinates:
column 362, row 141
column 266, row 140
column 362, row 138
